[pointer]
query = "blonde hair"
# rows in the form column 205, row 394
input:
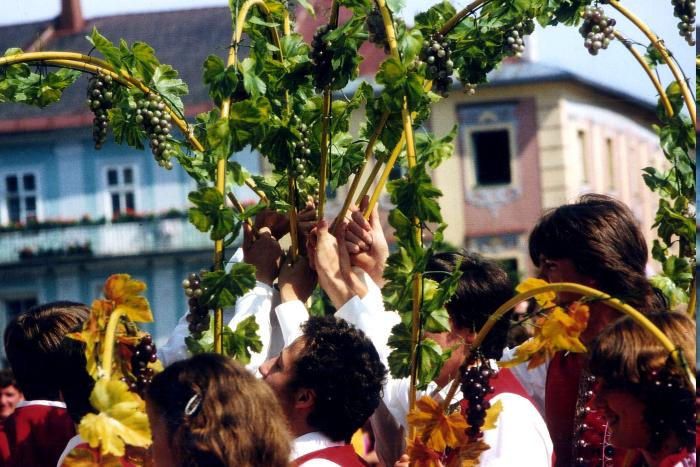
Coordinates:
column 218, row 414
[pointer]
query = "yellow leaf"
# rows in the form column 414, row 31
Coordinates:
column 121, row 419
column 492, row 414
column 421, row 455
column 92, row 332
column 544, row 300
column 436, row 429
column 468, row 455
column 559, row 330
column 124, row 292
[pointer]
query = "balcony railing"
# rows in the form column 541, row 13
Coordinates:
column 110, row 239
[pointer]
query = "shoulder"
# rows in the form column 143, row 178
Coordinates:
column 319, row 463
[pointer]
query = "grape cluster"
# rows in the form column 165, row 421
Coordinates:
column 155, row 120
column 684, row 10
column 436, row 54
column 302, row 152
column 376, row 30
column 100, row 93
column 515, row 43
column 475, row 387
column 198, row 317
column 597, row 29
column 322, row 56
column 144, row 354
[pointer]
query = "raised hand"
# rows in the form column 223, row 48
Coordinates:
column 296, row 280
column 366, row 243
column 262, row 251
column 335, row 274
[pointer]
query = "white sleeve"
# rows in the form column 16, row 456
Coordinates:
column 291, row 315
column 533, row 380
column 520, row 437
column 257, row 302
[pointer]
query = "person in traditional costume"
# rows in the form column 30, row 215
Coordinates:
column 594, row 242
column 645, row 397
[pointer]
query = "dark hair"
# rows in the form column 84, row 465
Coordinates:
column 234, row 418
column 628, row 357
column 42, row 358
column 340, row 364
column 8, row 379
column 601, row 237
column 483, row 287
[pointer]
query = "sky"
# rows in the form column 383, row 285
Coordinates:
column 559, row 46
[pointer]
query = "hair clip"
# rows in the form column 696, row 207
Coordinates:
column 193, row 404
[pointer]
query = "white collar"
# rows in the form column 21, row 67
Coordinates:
column 310, row 442
column 57, row 404
column 72, row 444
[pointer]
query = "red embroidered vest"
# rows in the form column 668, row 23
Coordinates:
column 579, row 431
column 341, row 455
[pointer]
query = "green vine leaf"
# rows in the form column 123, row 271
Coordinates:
column 140, row 60
column 168, row 85
column 222, row 80
column 238, row 344
column 111, row 53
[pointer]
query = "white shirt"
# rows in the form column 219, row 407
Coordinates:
column 257, row 302
column 533, row 380
column 311, row 442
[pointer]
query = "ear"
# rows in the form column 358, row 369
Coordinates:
column 304, row 398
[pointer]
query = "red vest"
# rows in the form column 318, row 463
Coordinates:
column 37, row 435
column 341, row 455
column 561, row 397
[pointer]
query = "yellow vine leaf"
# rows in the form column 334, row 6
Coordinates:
column 468, row 454
column 559, row 330
column 544, row 300
column 492, row 414
column 421, row 455
column 121, row 419
column 125, row 293
column 436, row 429
column 92, row 332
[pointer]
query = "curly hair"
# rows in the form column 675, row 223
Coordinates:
column 41, row 357
column 601, row 237
column 482, row 288
column 340, row 364
column 629, row 358
column 238, row 420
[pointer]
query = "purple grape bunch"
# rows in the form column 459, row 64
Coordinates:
column 597, row 29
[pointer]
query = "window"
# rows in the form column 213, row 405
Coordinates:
column 610, row 162
column 20, row 190
column 492, row 157
column 581, row 154
column 120, row 186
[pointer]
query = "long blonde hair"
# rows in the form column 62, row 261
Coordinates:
column 218, row 414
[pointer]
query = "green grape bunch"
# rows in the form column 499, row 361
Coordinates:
column 597, row 29
column 298, row 167
column 436, row 55
column 515, row 38
column 100, row 95
column 155, row 120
